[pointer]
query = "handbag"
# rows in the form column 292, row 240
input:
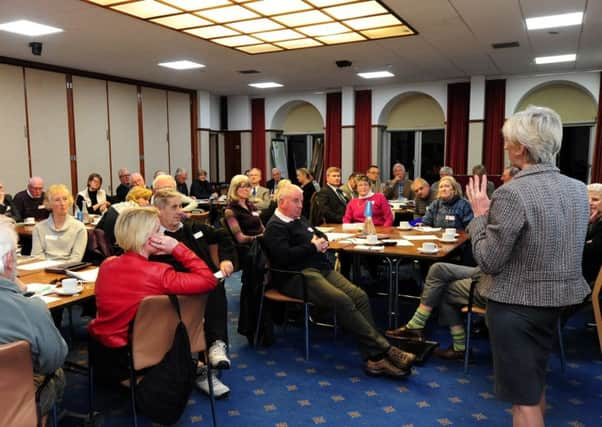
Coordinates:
column 163, row 392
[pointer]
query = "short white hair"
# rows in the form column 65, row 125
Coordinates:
column 8, row 238
column 538, row 129
column 594, row 188
column 166, row 181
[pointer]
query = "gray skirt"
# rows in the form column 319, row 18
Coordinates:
column 522, row 338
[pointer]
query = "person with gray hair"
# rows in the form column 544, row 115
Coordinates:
column 164, row 181
column 30, row 202
column 444, row 171
column 137, row 180
column 508, row 173
column 28, row 319
column 201, row 188
column 592, row 252
column 532, row 245
column 400, row 187
column 124, row 185
column 181, row 176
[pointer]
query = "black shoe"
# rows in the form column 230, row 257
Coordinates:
column 406, row 333
column 449, row 353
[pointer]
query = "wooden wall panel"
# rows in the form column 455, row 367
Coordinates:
column 154, row 116
column 123, row 128
column 180, row 151
column 15, row 169
column 91, row 127
column 48, row 126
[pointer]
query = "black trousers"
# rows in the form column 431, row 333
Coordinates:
column 216, row 315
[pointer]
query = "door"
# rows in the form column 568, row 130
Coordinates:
column 573, row 159
column 232, row 153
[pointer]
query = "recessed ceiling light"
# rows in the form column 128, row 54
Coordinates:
column 181, row 65
column 29, row 28
column 265, row 85
column 556, row 58
column 375, row 74
column 555, row 21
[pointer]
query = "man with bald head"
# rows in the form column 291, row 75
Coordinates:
column 272, row 184
column 291, row 243
column 260, row 196
column 137, row 180
column 30, row 202
column 167, row 182
column 400, row 187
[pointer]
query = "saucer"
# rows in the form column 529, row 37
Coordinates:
column 61, row 291
column 405, row 228
column 424, row 251
column 441, row 239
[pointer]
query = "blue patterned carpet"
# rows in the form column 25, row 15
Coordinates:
column 276, row 387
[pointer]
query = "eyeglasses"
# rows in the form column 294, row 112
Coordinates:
column 244, row 186
column 121, row 176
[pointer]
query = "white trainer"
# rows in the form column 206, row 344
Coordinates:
column 220, row 390
column 218, row 355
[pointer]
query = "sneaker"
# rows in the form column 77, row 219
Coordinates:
column 384, row 367
column 401, row 359
column 220, row 390
column 218, row 356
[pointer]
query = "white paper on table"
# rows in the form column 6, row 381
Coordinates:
column 427, row 229
column 218, row 275
column 354, row 226
column 40, row 265
column 46, row 299
column 85, row 275
column 41, row 288
column 325, row 229
column 369, row 248
column 399, row 242
column 419, row 237
column 333, row 237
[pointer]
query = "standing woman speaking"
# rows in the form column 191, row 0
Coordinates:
column 529, row 237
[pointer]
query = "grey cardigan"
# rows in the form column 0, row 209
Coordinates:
column 532, row 240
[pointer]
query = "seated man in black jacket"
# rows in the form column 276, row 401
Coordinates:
column 292, row 244
column 215, row 247
column 330, row 202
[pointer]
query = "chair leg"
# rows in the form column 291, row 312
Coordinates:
column 90, row 387
column 306, row 312
column 561, row 345
column 211, row 394
column 335, row 326
column 133, row 389
column 55, row 416
column 467, row 349
column 259, row 315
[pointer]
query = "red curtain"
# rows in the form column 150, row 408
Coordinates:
column 458, row 102
column 332, row 154
column 258, row 134
column 493, row 141
column 362, row 153
column 597, row 163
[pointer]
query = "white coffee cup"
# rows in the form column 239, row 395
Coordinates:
column 404, row 224
column 449, row 234
column 429, row 247
column 372, row 238
column 29, row 220
column 69, row 285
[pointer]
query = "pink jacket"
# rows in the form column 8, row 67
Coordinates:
column 381, row 212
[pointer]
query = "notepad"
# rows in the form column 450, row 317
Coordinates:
column 40, row 288
column 333, row 237
column 84, row 275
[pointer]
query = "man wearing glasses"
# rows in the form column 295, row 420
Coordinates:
column 124, row 185
column 30, row 202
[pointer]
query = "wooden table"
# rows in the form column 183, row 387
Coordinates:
column 63, row 301
column 393, row 255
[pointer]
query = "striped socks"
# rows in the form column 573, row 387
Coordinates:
column 418, row 321
column 459, row 338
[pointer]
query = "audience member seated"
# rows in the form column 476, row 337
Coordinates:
column 479, row 170
column 181, row 176
column 449, row 209
column 167, row 182
column 137, row 180
column 381, row 211
column 349, row 189
column 447, row 288
column 201, row 239
column 330, row 202
column 272, row 184
column 7, row 205
column 399, row 187
column 30, row 202
column 241, row 215
column 423, row 196
column 259, row 196
column 373, row 173
column 29, row 319
column 267, row 213
column 93, row 196
column 305, row 182
column 60, row 236
column 137, row 196
column 201, row 188
column 124, row 281
column 592, row 253
column 446, row 171
column 292, row 244
column 124, row 185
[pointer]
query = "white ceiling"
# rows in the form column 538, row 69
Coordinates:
column 454, row 42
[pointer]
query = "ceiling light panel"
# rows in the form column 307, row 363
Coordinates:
column 555, row 21
column 571, row 57
column 28, row 28
column 181, row 65
column 262, row 26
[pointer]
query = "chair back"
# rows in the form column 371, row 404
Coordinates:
column 316, row 216
column 17, row 391
column 155, row 324
column 596, row 305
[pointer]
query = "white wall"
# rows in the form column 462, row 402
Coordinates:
column 239, row 113
column 274, row 103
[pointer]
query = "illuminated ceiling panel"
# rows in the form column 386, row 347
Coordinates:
column 261, row 26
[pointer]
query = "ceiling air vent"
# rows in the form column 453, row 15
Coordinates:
column 505, row 45
column 249, row 72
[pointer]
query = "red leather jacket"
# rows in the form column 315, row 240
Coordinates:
column 124, row 281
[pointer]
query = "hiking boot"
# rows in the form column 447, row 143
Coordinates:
column 218, row 355
column 384, row 367
column 220, row 390
column 401, row 359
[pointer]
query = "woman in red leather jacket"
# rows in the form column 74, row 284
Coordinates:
column 124, row 281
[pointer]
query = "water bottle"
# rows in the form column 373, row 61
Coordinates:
column 79, row 215
column 369, row 229
column 85, row 216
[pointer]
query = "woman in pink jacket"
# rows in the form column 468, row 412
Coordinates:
column 381, row 211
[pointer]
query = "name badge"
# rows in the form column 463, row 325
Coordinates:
column 51, row 237
column 198, row 234
column 89, row 203
column 255, row 213
column 450, row 218
column 310, row 229
column 41, row 207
